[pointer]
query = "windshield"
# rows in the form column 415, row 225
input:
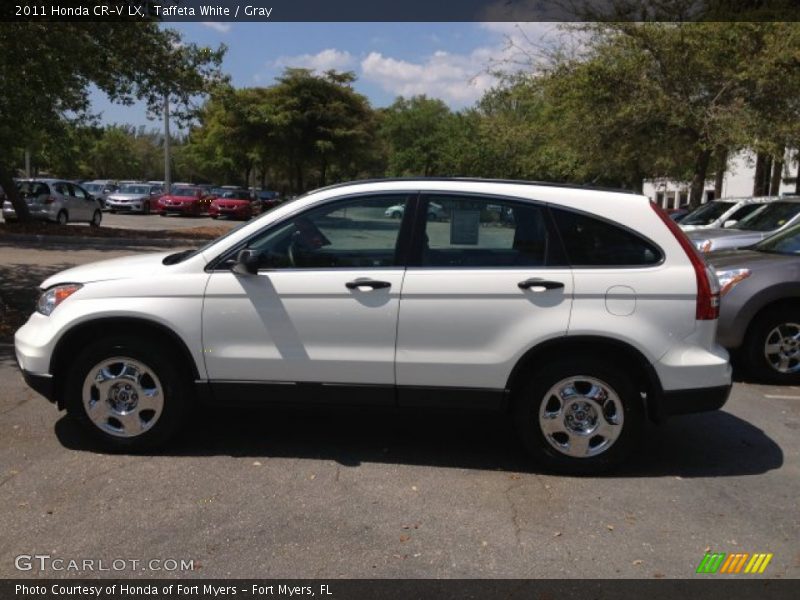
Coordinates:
column 134, row 189
column 93, row 187
column 240, row 194
column 184, row 192
column 769, row 217
column 785, row 242
column 707, row 213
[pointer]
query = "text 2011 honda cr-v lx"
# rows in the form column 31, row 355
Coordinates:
column 580, row 312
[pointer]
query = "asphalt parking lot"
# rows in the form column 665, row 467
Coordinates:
column 350, row 494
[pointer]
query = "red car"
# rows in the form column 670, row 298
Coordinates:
column 235, row 204
column 192, row 201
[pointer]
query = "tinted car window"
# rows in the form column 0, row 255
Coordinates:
column 591, row 242
column 707, row 213
column 745, row 210
column 345, row 234
column 770, row 216
column 483, row 232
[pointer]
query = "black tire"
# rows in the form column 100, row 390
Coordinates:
column 62, row 218
column 146, row 208
column 763, row 331
column 97, row 218
column 112, row 211
column 532, row 397
column 174, row 388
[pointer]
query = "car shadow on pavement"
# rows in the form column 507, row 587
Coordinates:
column 708, row 445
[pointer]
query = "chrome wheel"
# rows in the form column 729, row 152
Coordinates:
column 782, row 348
column 123, row 396
column 581, row 416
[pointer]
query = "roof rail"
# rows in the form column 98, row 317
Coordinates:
column 477, row 180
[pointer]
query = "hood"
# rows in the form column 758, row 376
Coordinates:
column 127, row 267
column 126, row 196
column 727, row 238
column 749, row 259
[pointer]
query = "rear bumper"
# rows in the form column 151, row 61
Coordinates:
column 682, row 402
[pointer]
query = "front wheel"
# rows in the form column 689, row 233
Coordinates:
column 581, row 417
column 772, row 347
column 127, row 394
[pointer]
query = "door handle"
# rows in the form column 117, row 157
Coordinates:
column 370, row 283
column 540, row 285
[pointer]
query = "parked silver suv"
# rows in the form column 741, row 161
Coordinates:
column 580, row 312
column 56, row 200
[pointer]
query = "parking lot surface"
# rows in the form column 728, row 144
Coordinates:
column 286, row 493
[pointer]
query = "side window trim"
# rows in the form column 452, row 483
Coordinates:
column 401, row 249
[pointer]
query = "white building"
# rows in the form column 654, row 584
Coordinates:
column 738, row 181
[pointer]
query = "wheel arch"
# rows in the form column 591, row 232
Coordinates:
column 645, row 377
column 76, row 338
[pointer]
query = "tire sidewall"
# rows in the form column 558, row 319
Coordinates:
column 174, row 385
column 528, row 402
column 757, row 363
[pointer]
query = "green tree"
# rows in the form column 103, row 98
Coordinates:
column 48, row 67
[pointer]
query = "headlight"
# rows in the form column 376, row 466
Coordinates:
column 54, row 296
column 728, row 279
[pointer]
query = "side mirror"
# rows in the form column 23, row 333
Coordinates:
column 246, row 262
column 730, row 223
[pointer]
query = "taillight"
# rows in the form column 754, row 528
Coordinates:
column 707, row 284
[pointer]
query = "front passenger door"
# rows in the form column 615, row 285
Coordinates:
column 322, row 308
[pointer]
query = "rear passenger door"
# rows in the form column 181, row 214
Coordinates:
column 486, row 281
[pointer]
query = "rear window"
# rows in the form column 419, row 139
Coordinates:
column 592, row 242
column 32, row 188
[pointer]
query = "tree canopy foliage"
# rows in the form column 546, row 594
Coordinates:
column 634, row 101
column 48, row 69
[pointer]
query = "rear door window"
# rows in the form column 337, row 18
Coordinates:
column 475, row 231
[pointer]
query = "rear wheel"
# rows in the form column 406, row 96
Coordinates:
column 62, row 217
column 582, row 416
column 772, row 346
column 127, row 393
column 97, row 218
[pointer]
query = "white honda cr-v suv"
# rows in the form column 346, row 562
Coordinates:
column 580, row 312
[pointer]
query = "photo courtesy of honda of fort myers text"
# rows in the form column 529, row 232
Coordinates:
column 349, row 300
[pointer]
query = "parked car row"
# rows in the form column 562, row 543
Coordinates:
column 63, row 201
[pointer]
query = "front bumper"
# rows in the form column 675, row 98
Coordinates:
column 188, row 209
column 42, row 384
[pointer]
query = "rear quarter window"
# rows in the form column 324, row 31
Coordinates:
column 593, row 242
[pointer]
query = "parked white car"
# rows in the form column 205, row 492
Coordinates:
column 56, row 200
column 724, row 212
column 581, row 313
column 135, row 197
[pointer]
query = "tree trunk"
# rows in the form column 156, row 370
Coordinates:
column 10, row 189
column 797, row 179
column 762, row 175
column 777, row 174
column 721, row 155
column 701, row 163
